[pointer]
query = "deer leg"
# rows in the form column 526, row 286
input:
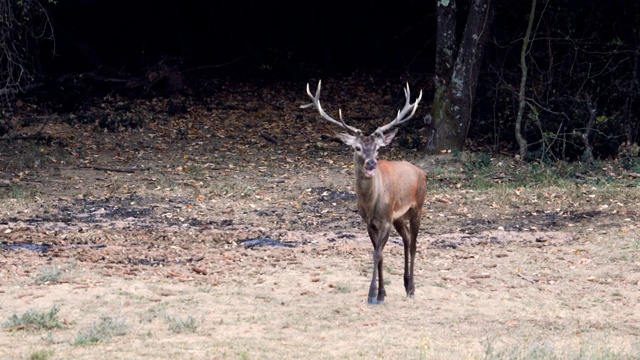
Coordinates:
column 379, row 239
column 373, row 235
column 401, row 228
column 381, row 292
column 414, row 228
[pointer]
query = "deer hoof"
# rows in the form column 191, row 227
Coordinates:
column 374, row 301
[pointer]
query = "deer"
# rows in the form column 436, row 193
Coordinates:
column 389, row 193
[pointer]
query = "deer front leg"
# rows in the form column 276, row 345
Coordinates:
column 401, row 228
column 379, row 239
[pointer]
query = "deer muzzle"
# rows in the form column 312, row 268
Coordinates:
column 370, row 166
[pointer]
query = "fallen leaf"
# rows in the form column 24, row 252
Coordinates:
column 198, row 270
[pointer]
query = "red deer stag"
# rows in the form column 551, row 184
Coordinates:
column 389, row 192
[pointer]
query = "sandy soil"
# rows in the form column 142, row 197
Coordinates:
column 148, row 223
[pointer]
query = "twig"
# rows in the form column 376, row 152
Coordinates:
column 29, row 137
column 269, row 138
column 19, row 90
column 129, row 170
column 525, row 278
column 214, row 65
column 587, row 155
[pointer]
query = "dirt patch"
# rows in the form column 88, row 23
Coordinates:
column 240, row 213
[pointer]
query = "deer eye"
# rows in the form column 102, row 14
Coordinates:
column 358, row 148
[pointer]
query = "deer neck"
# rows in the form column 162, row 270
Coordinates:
column 368, row 188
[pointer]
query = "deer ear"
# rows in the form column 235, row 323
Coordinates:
column 385, row 139
column 347, row 139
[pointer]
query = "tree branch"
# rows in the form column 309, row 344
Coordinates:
column 522, row 142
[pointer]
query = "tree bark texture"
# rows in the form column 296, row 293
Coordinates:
column 457, row 68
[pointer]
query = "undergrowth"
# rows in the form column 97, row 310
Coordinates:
column 101, row 331
column 178, row 326
column 49, row 275
column 547, row 350
column 480, row 171
column 34, row 320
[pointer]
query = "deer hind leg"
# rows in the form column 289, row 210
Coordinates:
column 414, row 223
column 401, row 228
column 379, row 239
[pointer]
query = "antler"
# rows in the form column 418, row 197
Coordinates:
column 316, row 103
column 402, row 114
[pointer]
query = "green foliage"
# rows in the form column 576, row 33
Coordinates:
column 33, row 320
column 232, row 190
column 179, row 326
column 49, row 275
column 628, row 156
column 482, row 172
column 44, row 354
column 50, row 339
column 101, row 331
column 477, row 169
column 17, row 192
column 601, row 119
column 194, row 170
column 480, row 160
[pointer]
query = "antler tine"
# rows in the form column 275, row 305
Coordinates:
column 402, row 114
column 315, row 102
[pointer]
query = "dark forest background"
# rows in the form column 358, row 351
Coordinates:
column 581, row 93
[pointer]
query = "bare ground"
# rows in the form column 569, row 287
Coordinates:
column 149, row 223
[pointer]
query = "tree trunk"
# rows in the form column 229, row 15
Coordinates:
column 457, row 67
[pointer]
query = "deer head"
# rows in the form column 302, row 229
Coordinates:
column 366, row 147
column 365, row 150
